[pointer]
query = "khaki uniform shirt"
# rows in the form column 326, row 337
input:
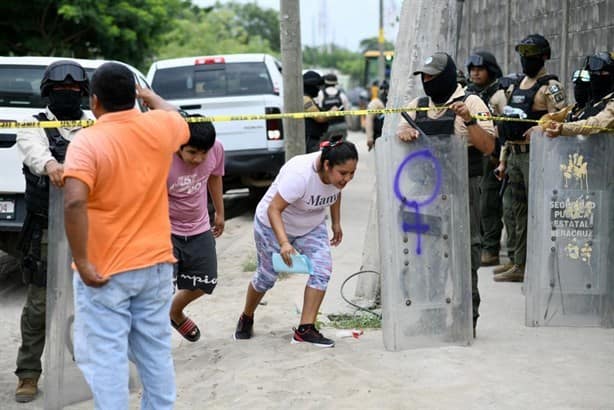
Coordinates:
column 604, row 119
column 309, row 104
column 497, row 102
column 33, row 145
column 474, row 104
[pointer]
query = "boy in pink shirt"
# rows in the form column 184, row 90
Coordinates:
column 197, row 167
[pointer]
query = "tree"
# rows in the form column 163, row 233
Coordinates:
column 257, row 22
column 372, row 44
column 112, row 29
column 344, row 60
column 221, row 29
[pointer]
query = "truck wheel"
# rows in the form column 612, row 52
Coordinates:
column 9, row 265
column 257, row 192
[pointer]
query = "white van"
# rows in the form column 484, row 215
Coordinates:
column 232, row 84
column 20, row 99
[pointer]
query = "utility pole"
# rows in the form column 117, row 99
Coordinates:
column 292, row 63
column 381, row 61
column 459, row 23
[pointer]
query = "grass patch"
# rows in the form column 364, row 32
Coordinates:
column 250, row 265
column 358, row 321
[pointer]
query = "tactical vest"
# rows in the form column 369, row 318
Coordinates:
column 444, row 125
column 37, row 186
column 577, row 114
column 591, row 110
column 486, row 93
column 329, row 101
column 523, row 99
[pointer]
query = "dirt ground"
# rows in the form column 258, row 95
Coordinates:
column 509, row 366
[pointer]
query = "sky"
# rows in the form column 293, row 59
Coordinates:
column 343, row 22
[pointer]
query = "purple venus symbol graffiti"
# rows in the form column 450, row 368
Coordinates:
column 417, row 226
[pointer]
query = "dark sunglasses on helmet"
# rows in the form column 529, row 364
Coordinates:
column 581, row 76
column 529, row 50
column 59, row 73
column 475, row 60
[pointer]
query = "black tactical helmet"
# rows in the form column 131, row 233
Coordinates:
column 534, row 45
column 601, row 61
column 64, row 72
column 312, row 78
column 486, row 60
column 330, row 79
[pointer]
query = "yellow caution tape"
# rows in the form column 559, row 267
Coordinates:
column 290, row 115
column 483, row 117
column 46, row 124
column 217, row 118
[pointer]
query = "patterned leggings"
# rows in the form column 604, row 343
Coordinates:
column 314, row 244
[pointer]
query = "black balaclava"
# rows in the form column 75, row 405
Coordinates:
column 441, row 87
column 531, row 65
column 311, row 90
column 601, row 85
column 581, row 93
column 65, row 104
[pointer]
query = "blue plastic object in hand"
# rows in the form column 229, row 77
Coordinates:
column 300, row 264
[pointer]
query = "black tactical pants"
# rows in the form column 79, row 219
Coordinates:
column 33, row 326
column 476, row 240
column 491, row 209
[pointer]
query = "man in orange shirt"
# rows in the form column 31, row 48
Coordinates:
column 116, row 217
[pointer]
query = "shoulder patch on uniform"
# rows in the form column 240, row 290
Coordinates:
column 308, row 104
column 484, row 115
column 556, row 92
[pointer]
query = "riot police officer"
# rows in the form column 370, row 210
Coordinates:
column 64, row 84
column 374, row 123
column 599, row 112
column 317, row 126
column 581, row 80
column 329, row 97
column 484, row 73
column 537, row 94
column 451, row 111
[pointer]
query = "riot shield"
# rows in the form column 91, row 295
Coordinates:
column 64, row 383
column 423, row 220
column 569, row 278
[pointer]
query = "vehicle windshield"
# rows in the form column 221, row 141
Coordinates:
column 213, row 80
column 20, row 86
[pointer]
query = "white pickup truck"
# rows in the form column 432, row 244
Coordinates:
column 20, row 99
column 233, row 84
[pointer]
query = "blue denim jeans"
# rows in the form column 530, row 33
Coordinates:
column 127, row 317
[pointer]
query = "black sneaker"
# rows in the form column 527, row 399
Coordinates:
column 244, row 327
column 311, row 335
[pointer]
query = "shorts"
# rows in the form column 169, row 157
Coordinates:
column 314, row 244
column 196, row 266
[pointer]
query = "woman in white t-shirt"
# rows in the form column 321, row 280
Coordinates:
column 290, row 218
